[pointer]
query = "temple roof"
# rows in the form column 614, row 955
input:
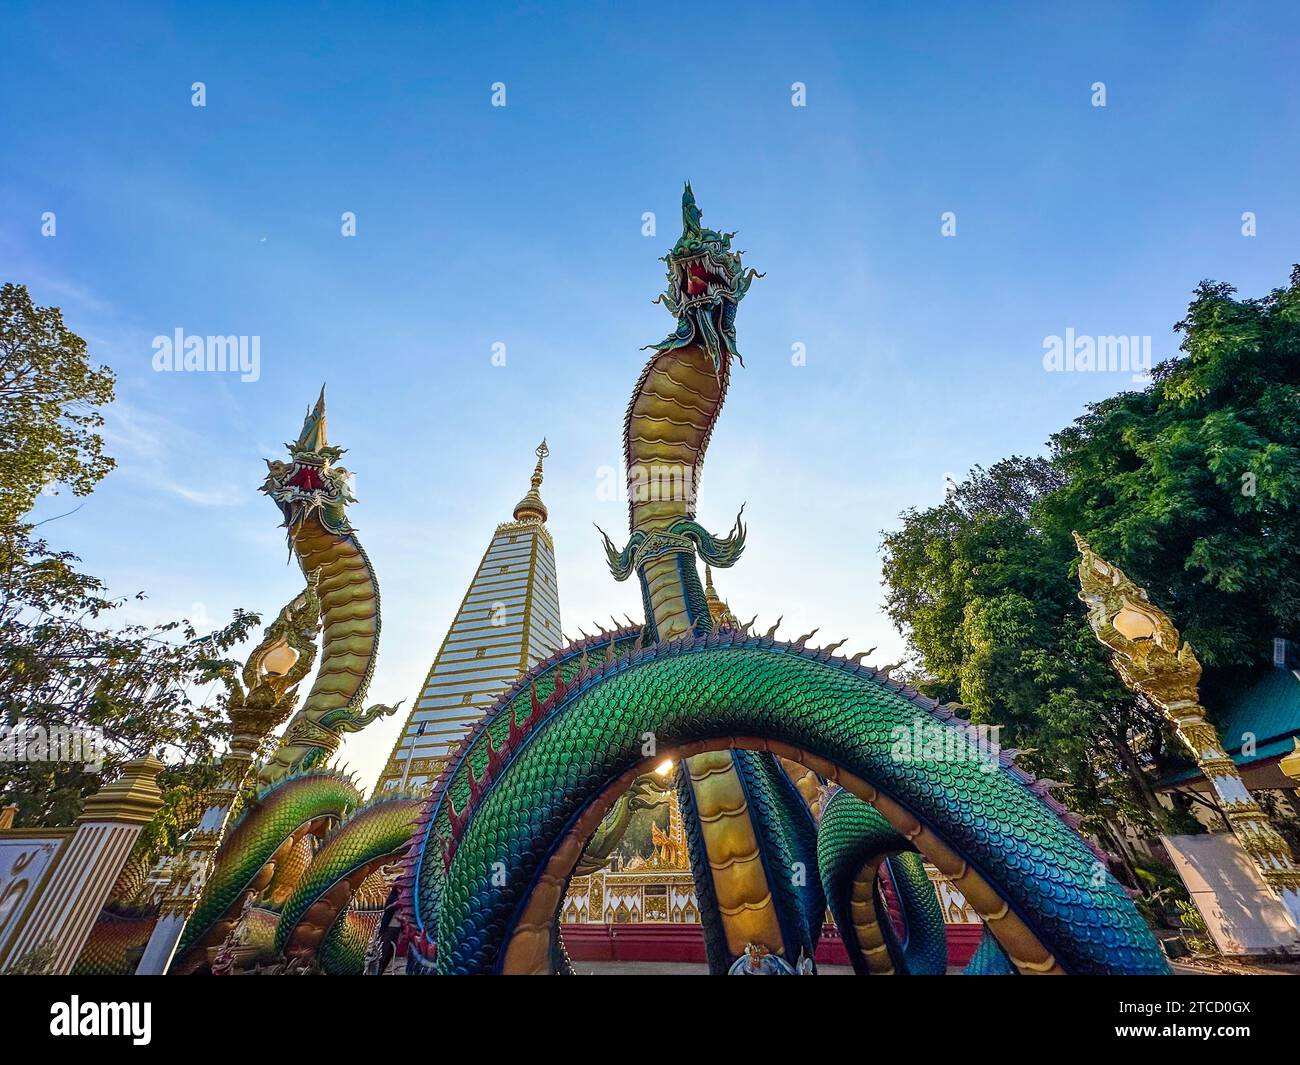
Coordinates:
column 1266, row 706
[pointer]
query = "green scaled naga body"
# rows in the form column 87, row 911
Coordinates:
column 744, row 825
column 313, row 495
column 276, row 832
column 271, row 855
column 564, row 760
column 335, row 906
column 512, row 814
column 854, row 843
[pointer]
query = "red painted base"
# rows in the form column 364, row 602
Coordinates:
column 685, row 943
column 963, row 940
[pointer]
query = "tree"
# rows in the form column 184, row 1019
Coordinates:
column 1191, row 485
column 65, row 662
column 50, row 397
column 992, row 617
column 64, row 665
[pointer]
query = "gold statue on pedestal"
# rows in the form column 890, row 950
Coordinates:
column 1152, row 661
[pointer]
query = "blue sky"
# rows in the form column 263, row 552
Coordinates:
column 522, row 225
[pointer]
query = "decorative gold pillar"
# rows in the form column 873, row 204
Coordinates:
column 1151, row 660
column 88, row 867
column 256, row 708
column 1290, row 765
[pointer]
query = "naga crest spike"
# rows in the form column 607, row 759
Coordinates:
column 691, row 213
column 805, row 638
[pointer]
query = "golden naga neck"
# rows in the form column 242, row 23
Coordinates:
column 669, row 421
column 349, row 603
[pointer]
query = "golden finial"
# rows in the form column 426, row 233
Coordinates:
column 1152, row 660
column 531, row 506
column 1145, row 646
column 718, row 610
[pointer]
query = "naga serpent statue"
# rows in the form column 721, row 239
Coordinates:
column 794, row 793
column 754, row 726
column 302, row 876
column 313, row 869
column 313, row 495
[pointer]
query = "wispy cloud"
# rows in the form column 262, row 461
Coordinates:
column 217, row 497
column 61, row 292
column 144, row 441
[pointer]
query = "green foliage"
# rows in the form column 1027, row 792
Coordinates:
column 992, row 615
column 50, row 397
column 64, row 662
column 637, row 841
column 1162, row 894
column 1191, row 485
column 65, row 658
column 1195, row 934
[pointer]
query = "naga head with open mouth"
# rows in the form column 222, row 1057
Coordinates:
column 705, row 283
column 310, row 482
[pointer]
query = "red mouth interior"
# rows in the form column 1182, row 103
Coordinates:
column 697, row 279
column 308, row 479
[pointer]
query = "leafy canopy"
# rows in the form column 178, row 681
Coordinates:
column 66, row 660
column 50, row 397
column 1191, row 485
